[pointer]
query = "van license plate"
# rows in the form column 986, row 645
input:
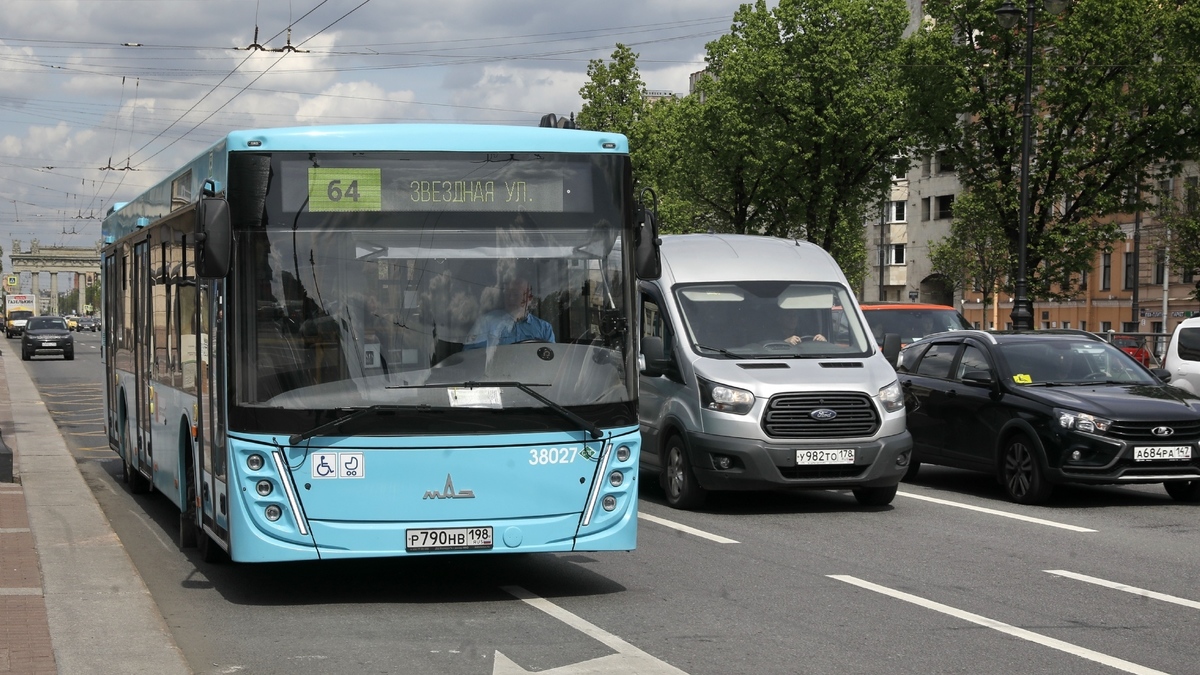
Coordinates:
column 1162, row 452
column 835, row 456
column 449, row 539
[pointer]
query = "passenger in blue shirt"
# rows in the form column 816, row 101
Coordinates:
column 514, row 323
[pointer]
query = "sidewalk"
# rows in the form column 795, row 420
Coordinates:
column 71, row 600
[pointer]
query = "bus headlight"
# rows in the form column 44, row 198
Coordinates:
column 255, row 462
column 609, row 502
column 616, row 478
column 263, row 488
column 273, row 513
column 623, row 453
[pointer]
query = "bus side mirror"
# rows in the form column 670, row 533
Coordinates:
column 646, row 260
column 214, row 238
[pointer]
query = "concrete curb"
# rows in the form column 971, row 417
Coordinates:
column 102, row 618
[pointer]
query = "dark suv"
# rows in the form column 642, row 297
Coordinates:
column 47, row 334
column 1043, row 407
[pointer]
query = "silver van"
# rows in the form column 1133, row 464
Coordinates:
column 759, row 372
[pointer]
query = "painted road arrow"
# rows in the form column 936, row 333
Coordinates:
column 627, row 659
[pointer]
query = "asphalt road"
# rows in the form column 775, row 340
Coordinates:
column 949, row 578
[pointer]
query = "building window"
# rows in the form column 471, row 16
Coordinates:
column 1066, row 325
column 1130, row 272
column 1160, row 266
column 925, row 209
column 1191, row 194
column 896, row 254
column 1083, row 278
column 1189, row 276
column 945, row 163
column 1082, row 325
column 896, row 212
column 1106, row 271
column 945, row 207
column 1105, row 326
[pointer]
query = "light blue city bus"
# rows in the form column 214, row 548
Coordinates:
column 383, row 340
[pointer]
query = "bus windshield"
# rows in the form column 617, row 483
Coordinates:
column 462, row 270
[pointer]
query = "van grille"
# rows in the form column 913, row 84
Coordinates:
column 789, row 416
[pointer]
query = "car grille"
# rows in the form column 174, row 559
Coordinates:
column 789, row 416
column 1143, row 431
column 798, row 472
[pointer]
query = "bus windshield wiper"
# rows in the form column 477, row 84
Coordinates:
column 528, row 389
column 354, row 414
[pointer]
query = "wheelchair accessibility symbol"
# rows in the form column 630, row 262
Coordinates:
column 338, row 465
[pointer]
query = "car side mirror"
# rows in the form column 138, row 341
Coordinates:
column 1162, row 374
column 980, row 377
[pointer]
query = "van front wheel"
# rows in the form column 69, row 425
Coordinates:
column 683, row 491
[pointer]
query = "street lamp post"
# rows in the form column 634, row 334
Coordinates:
column 1007, row 16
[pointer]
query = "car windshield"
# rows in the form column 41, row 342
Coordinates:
column 772, row 319
column 911, row 324
column 1071, row 362
column 45, row 322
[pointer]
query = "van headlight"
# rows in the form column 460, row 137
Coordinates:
column 892, row 397
column 724, row 398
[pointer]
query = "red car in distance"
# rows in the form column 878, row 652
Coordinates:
column 1134, row 347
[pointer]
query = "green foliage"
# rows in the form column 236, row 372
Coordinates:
column 972, row 257
column 1114, row 93
column 613, row 95
column 785, row 136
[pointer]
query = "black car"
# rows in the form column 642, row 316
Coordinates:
column 88, row 323
column 47, row 335
column 1044, row 407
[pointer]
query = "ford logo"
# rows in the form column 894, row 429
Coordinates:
column 1162, row 431
column 823, row 414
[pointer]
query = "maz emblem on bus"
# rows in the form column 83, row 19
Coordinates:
column 448, row 492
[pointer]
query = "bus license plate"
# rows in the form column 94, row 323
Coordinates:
column 1160, row 452
column 449, row 539
column 836, row 456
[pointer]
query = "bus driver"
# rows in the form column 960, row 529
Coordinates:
column 512, row 323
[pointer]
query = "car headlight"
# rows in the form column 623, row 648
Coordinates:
column 892, row 397
column 723, row 398
column 1076, row 421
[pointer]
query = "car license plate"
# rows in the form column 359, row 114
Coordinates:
column 835, row 456
column 49, row 344
column 449, row 539
column 1159, row 452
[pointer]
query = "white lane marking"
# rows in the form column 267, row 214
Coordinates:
column 684, row 528
column 994, row 512
column 628, row 659
column 1128, row 589
column 1074, row 650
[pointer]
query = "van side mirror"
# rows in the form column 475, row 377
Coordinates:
column 646, row 260
column 214, row 238
column 652, row 353
column 891, row 347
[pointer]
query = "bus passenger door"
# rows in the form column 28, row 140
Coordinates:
column 142, row 347
column 212, row 456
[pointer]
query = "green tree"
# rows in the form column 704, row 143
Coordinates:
column 798, row 127
column 614, row 95
column 972, row 258
column 1115, row 95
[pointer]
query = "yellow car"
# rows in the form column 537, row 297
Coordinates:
column 72, row 323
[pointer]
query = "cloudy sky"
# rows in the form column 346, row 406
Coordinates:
column 99, row 99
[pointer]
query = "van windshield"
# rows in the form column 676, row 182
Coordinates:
column 772, row 319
